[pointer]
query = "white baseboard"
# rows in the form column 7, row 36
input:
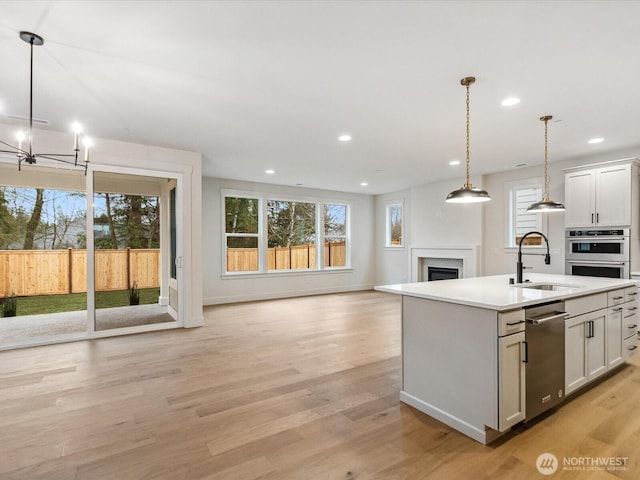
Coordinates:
column 251, row 297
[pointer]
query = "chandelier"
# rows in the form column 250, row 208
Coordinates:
column 25, row 153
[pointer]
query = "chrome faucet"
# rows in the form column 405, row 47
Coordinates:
column 520, row 267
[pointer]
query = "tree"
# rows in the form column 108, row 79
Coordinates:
column 34, row 220
column 290, row 223
column 131, row 221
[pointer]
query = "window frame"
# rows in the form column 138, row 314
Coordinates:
column 263, row 234
column 387, row 225
column 510, row 213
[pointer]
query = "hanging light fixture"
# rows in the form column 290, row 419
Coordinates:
column 26, row 154
column 546, row 205
column 467, row 193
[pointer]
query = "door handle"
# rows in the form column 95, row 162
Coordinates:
column 526, row 351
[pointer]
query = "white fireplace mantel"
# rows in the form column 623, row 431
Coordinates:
column 468, row 255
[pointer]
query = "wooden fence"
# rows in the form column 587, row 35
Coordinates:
column 48, row 272
column 298, row 257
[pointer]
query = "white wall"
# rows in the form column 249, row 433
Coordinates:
column 429, row 222
column 433, row 222
column 391, row 263
column 226, row 289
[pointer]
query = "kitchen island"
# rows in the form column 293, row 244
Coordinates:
column 465, row 352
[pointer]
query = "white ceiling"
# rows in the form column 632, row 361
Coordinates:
column 271, row 84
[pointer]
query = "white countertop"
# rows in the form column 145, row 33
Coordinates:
column 495, row 293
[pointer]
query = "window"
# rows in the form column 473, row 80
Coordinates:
column 291, row 230
column 284, row 235
column 241, row 233
column 394, row 230
column 521, row 195
column 335, row 235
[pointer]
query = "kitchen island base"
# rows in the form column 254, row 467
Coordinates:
column 465, row 352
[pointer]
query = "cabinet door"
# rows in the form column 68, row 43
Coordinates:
column 512, row 393
column 615, row 326
column 575, row 359
column 613, row 196
column 579, row 198
column 596, row 344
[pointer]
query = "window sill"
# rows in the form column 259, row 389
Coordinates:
column 393, row 248
column 284, row 273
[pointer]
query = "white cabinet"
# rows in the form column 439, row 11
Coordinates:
column 598, row 196
column 630, row 323
column 615, row 336
column 511, row 381
column 601, row 339
column 585, row 349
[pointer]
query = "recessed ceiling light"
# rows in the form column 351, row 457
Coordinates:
column 344, row 138
column 510, row 102
column 596, row 140
column 270, row 171
column 453, row 163
column 363, row 184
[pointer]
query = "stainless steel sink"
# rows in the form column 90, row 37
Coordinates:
column 555, row 287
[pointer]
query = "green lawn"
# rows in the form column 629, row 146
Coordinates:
column 78, row 301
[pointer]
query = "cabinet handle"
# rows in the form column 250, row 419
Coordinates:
column 632, row 308
column 633, row 348
column 514, row 323
column 632, row 293
column 618, row 298
column 617, row 309
column 632, row 326
column 526, row 352
column 597, row 217
column 590, row 329
column 592, row 218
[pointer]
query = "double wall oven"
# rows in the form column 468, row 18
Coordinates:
column 597, row 253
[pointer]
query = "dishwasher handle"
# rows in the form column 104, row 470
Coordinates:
column 557, row 315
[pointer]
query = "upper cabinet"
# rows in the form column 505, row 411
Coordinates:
column 599, row 196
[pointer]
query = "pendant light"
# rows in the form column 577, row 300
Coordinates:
column 467, row 193
column 546, row 205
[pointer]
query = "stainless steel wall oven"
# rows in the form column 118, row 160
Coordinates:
column 597, row 253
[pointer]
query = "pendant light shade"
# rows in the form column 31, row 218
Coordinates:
column 546, row 204
column 467, row 193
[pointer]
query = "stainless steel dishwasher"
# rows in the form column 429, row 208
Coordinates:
column 544, row 357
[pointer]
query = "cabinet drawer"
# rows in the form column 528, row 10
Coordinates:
column 630, row 294
column 589, row 303
column 629, row 346
column 615, row 297
column 630, row 309
column 629, row 326
column 510, row 322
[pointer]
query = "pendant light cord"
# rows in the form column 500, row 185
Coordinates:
column 546, row 163
column 467, row 184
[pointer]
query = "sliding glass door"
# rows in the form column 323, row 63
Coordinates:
column 132, row 242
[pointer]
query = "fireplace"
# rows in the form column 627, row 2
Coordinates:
column 463, row 259
column 441, row 273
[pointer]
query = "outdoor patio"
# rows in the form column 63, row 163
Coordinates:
column 64, row 323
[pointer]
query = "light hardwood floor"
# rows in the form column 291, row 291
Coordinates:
column 303, row 388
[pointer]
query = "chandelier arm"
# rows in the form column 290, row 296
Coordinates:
column 48, row 157
column 15, row 149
